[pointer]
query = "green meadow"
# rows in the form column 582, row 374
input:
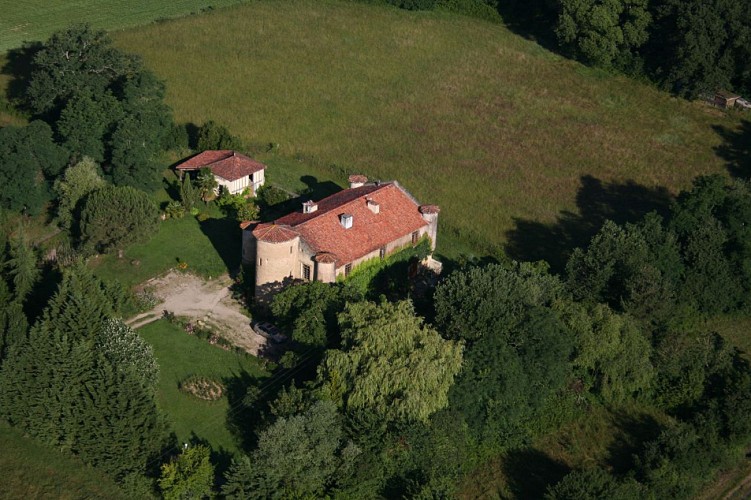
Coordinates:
column 494, row 128
column 35, row 20
column 32, row 470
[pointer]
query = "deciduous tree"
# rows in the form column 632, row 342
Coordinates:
column 390, row 363
column 602, row 31
column 297, row 457
column 77, row 182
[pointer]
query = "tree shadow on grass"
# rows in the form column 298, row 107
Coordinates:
column 597, row 201
column 317, row 190
column 244, row 412
column 532, row 19
column 530, row 472
column 736, row 149
column 314, row 190
column 225, row 236
column 18, row 65
column 635, row 429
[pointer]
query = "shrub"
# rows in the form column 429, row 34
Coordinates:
column 175, row 210
column 202, row 388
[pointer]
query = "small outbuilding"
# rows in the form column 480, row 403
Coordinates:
column 233, row 171
column 725, row 99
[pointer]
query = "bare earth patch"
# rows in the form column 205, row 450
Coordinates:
column 207, row 300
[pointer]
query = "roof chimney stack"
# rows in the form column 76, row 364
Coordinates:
column 373, row 206
column 346, row 220
column 357, row 180
column 309, row 207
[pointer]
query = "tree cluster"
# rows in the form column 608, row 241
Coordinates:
column 84, row 382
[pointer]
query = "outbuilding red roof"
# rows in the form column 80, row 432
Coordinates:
column 225, row 163
column 322, row 230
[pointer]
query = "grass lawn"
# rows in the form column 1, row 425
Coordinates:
column 497, row 130
column 181, row 355
column 35, row 20
column 31, row 470
column 210, row 248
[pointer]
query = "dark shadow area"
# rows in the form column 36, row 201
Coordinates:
column 532, row 19
column 226, row 237
column 192, row 130
column 275, row 203
column 18, row 66
column 42, row 291
column 173, row 190
column 245, row 407
column 736, row 149
column 597, row 202
column 317, row 190
column 634, row 431
column 531, row 471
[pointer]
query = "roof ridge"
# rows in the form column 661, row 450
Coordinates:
column 320, row 213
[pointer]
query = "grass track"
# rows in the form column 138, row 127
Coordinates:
column 35, row 20
column 463, row 112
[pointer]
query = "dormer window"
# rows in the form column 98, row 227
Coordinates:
column 346, row 220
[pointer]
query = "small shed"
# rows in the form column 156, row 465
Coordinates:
column 725, row 99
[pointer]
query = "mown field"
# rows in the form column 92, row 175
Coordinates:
column 31, row 470
column 497, row 130
column 35, row 20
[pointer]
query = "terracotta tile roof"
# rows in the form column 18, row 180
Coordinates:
column 323, row 232
column 274, row 233
column 325, row 257
column 225, row 163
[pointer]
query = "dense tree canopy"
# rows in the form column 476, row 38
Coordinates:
column 390, row 363
column 29, row 159
column 301, row 456
column 61, row 389
column 113, row 216
column 603, row 31
column 75, row 61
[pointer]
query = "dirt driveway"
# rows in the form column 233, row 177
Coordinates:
column 209, row 301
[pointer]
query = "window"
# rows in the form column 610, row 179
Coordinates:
column 260, row 261
column 382, row 253
column 414, row 237
column 306, row 272
column 347, row 270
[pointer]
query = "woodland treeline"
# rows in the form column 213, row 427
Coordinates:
column 688, row 47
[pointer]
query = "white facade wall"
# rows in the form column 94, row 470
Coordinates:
column 253, row 181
